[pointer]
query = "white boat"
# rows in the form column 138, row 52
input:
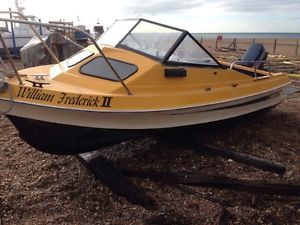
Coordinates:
column 21, row 35
column 17, row 36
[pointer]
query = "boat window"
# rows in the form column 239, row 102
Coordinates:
column 99, row 68
column 79, row 57
column 160, row 42
column 189, row 52
column 151, row 39
column 116, row 32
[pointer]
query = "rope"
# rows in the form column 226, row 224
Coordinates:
column 3, row 86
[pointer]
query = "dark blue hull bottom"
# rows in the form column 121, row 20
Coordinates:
column 70, row 140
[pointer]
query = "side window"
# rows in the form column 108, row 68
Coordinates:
column 99, row 68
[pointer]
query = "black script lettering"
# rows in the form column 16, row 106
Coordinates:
column 34, row 94
column 94, row 102
column 21, row 92
column 79, row 100
column 30, row 93
column 106, row 102
column 62, row 97
column 45, row 97
column 82, row 101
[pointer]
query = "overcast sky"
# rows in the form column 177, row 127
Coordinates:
column 193, row 15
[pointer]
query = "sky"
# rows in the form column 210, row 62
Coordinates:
column 197, row 16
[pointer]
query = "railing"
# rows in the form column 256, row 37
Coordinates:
column 31, row 23
column 256, row 64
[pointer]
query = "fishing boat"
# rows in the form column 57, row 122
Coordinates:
column 139, row 78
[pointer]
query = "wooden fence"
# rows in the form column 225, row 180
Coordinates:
column 288, row 47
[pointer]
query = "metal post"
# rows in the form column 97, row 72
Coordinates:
column 275, row 44
column 10, row 59
column 13, row 34
column 41, row 29
column 234, row 45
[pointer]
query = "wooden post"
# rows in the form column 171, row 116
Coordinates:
column 253, row 41
column 217, row 39
column 201, row 41
column 297, row 46
column 234, row 44
column 275, row 44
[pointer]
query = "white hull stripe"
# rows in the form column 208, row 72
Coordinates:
column 144, row 120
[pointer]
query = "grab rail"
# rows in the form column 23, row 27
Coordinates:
column 256, row 64
column 64, row 27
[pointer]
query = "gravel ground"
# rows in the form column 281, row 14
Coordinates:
column 37, row 188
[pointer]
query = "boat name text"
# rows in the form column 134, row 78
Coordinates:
column 64, row 98
column 35, row 94
column 79, row 100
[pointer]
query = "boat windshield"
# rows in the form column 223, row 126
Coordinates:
column 167, row 44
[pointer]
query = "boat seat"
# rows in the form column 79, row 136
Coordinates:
column 256, row 52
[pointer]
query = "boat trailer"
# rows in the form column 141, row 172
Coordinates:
column 117, row 179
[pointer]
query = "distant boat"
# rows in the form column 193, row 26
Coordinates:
column 20, row 35
column 79, row 36
column 17, row 36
